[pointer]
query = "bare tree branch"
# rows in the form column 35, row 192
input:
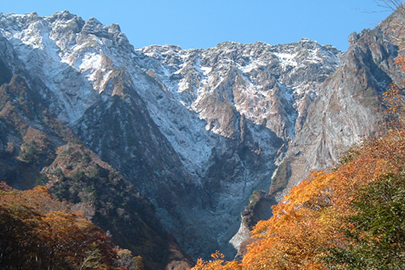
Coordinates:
column 392, row 5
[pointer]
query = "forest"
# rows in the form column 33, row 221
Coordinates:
column 38, row 232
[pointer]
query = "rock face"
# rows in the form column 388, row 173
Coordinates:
column 37, row 148
column 348, row 106
column 238, row 106
column 197, row 131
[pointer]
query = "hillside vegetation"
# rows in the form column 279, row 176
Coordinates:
column 349, row 217
column 38, row 232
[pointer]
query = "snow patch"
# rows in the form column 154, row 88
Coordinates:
column 287, row 59
column 206, row 70
column 91, row 61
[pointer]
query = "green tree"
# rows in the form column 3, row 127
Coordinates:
column 376, row 232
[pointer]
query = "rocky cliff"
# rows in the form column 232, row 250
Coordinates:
column 197, row 131
column 349, row 105
column 39, row 149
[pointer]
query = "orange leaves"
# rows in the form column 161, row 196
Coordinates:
column 309, row 220
column 295, row 246
column 217, row 264
column 394, row 97
column 401, row 62
column 61, row 237
column 36, row 235
column 309, row 223
column 217, row 255
column 293, row 237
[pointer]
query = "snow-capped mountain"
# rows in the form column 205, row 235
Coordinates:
column 197, row 131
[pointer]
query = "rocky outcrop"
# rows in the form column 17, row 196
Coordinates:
column 259, row 208
column 239, row 106
column 37, row 148
column 349, row 105
column 196, row 131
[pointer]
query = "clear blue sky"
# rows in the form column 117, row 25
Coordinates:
column 204, row 23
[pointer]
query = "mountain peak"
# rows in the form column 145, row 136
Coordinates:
column 63, row 15
column 229, row 44
column 307, row 40
column 195, row 130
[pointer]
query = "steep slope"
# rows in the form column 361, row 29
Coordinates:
column 46, row 48
column 196, row 131
column 38, row 232
column 349, row 105
column 37, row 148
column 350, row 217
column 249, row 97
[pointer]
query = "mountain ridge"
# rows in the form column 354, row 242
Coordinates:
column 195, row 131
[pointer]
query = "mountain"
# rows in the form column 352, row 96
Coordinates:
column 349, row 105
column 194, row 131
column 38, row 148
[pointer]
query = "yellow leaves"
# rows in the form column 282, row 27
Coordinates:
column 296, row 246
column 293, row 238
column 261, row 227
column 217, row 255
column 394, row 99
column 302, row 223
column 217, row 264
column 381, row 166
column 309, row 220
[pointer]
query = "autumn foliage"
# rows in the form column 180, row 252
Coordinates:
column 330, row 220
column 349, row 217
column 37, row 232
